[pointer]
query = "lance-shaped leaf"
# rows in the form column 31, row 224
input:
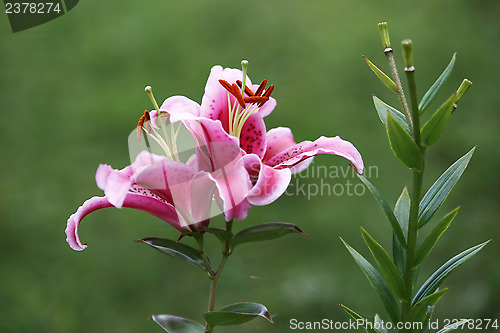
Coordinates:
column 428, row 244
column 418, row 312
column 386, row 266
column 383, row 109
column 431, row 94
column 175, row 249
column 454, row 326
column 387, row 210
column 433, row 128
column 236, row 314
column 222, row 235
column 403, row 146
column 265, row 231
column 444, row 271
column 378, row 283
column 173, row 324
column 382, row 76
column 428, row 317
column 402, row 213
column 438, row 192
column 358, row 318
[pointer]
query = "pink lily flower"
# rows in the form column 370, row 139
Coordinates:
column 230, row 131
column 169, row 190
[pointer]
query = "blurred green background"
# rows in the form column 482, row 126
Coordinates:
column 71, row 91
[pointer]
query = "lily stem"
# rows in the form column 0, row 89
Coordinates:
column 226, row 252
column 416, row 193
column 389, row 54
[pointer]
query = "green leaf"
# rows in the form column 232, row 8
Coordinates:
column 382, row 76
column 357, row 317
column 175, row 249
column 222, row 235
column 428, row 317
column 438, row 192
column 378, row 283
column 454, row 326
column 383, row 109
column 173, row 324
column 265, row 231
column 386, row 266
column 403, row 146
column 431, row 94
column 387, row 210
column 418, row 312
column 236, row 314
column 433, row 128
column 402, row 213
column 444, row 271
column 428, row 244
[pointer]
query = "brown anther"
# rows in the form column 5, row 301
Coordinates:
column 226, row 85
column 139, row 126
column 256, row 99
column 237, row 94
column 247, row 90
column 261, row 87
column 267, row 93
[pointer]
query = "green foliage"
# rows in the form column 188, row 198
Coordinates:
column 172, row 324
column 386, row 266
column 403, row 145
column 433, row 91
column 382, row 76
column 175, row 249
column 454, row 326
column 236, row 314
column 263, row 232
column 383, row 109
column 435, row 280
column 433, row 128
column 378, row 283
column 387, row 210
column 402, row 213
column 439, row 191
column 419, row 311
column 356, row 316
column 428, row 244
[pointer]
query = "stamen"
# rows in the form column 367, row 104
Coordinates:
column 256, row 99
column 261, row 87
column 226, row 85
column 139, row 126
column 237, row 94
column 267, row 93
column 149, row 91
column 247, row 90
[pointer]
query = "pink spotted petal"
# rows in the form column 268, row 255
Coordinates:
column 253, row 136
column 278, row 140
column 304, row 150
column 270, row 183
column 147, row 204
column 214, row 102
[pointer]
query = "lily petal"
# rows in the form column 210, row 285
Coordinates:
column 114, row 183
column 306, row 149
column 253, row 137
column 150, row 205
column 270, row 184
column 279, row 139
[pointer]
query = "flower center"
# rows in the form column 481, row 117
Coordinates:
column 246, row 101
column 150, row 123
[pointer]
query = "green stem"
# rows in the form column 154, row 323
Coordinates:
column 226, row 252
column 416, row 193
column 394, row 70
